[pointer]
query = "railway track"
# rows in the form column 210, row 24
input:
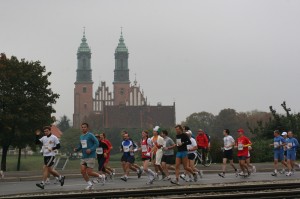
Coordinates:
column 285, row 190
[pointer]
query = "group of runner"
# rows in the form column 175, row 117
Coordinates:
column 159, row 150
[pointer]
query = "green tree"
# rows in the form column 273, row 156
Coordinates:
column 26, row 103
column 203, row 120
column 69, row 140
column 64, row 123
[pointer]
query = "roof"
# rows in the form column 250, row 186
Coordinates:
column 55, row 131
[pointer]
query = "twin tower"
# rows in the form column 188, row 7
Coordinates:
column 126, row 108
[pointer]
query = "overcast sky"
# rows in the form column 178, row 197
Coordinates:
column 205, row 55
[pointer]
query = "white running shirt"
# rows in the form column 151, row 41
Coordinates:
column 190, row 146
column 228, row 141
column 49, row 143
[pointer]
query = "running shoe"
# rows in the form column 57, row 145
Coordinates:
column 189, row 180
column 47, row 182
column 182, row 176
column 62, row 180
column 222, row 175
column 288, row 174
column 236, row 173
column 89, row 187
column 56, row 181
column 253, row 169
column 124, row 178
column 274, row 174
column 282, row 171
column 156, row 177
column 200, row 174
column 151, row 180
column 167, row 178
column 40, row 185
column 195, row 177
column 139, row 173
column 175, row 182
column 114, row 172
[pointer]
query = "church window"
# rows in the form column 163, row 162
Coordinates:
column 84, row 89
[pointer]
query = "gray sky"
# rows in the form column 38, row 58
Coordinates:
column 205, row 55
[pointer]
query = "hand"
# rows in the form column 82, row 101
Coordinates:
column 105, row 155
column 37, row 132
column 165, row 148
column 147, row 154
column 88, row 151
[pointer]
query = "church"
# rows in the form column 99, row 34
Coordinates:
column 125, row 107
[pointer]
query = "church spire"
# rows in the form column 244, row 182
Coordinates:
column 84, row 47
column 121, row 46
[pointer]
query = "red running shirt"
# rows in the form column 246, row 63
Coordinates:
column 145, row 147
column 242, row 149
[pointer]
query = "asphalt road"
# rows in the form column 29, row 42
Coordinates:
column 76, row 184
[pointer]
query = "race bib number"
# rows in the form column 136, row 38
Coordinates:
column 83, row 144
column 289, row 145
column 165, row 144
column 99, row 150
column 144, row 148
column 125, row 148
column 240, row 147
column 178, row 142
column 276, row 144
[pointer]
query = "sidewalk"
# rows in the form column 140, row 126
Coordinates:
column 14, row 176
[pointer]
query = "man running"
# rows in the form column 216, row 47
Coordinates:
column 88, row 145
column 292, row 145
column 227, row 152
column 278, row 144
column 50, row 143
column 128, row 148
column 157, row 142
column 242, row 145
column 168, row 159
column 182, row 140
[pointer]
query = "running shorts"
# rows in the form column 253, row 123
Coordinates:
column 49, row 161
column 168, row 159
column 88, row 162
column 181, row 154
column 130, row 159
column 291, row 155
column 158, row 156
column 228, row 154
column 278, row 155
column 191, row 156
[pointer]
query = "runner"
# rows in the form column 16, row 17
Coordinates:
column 128, row 148
column 157, row 142
column 242, row 145
column 202, row 142
column 279, row 143
column 168, row 159
column 108, row 170
column 192, row 149
column 285, row 137
column 292, row 145
column 101, row 152
column 146, row 156
column 88, row 145
column 182, row 140
column 227, row 152
column 50, row 143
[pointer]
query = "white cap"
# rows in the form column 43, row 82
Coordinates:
column 156, row 128
column 284, row 133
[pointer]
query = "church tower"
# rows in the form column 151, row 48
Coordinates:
column 83, row 92
column 121, row 74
